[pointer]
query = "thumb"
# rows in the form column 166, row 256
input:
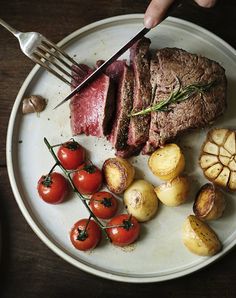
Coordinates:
column 156, row 12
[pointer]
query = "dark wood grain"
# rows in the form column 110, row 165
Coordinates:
column 28, row 267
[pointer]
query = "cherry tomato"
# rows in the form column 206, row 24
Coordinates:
column 84, row 235
column 125, row 234
column 53, row 188
column 88, row 179
column 103, row 204
column 71, row 155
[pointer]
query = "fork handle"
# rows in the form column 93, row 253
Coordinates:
column 9, row 28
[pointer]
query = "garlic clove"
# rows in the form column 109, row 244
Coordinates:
column 33, row 104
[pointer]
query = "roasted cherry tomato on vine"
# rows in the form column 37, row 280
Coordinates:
column 88, row 179
column 103, row 204
column 71, row 155
column 124, row 229
column 85, row 235
column 53, row 188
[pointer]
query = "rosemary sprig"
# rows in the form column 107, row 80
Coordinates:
column 178, row 95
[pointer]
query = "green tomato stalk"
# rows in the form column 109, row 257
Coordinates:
column 68, row 175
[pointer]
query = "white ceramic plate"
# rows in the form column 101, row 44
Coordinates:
column 159, row 254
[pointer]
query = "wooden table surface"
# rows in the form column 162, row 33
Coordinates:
column 28, row 267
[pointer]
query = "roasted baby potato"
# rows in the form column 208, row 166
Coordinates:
column 218, row 158
column 140, row 200
column 209, row 203
column 199, row 238
column 167, row 162
column 173, row 192
column 118, row 173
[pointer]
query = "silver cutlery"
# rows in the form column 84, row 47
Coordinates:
column 176, row 4
column 45, row 53
column 101, row 68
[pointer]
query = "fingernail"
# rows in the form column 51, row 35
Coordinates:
column 206, row 3
column 149, row 22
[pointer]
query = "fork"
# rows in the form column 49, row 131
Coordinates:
column 45, row 53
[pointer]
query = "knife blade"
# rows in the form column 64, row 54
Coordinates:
column 101, row 68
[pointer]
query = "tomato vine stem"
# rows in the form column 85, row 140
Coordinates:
column 68, row 173
column 50, row 172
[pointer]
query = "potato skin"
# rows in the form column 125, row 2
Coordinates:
column 118, row 174
column 199, row 238
column 167, row 162
column 140, row 200
column 174, row 192
column 209, row 203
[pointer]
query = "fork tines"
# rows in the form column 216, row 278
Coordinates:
column 56, row 61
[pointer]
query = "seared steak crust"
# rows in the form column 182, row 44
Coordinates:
column 119, row 134
column 197, row 111
column 139, row 126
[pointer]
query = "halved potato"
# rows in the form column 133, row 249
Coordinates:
column 218, row 158
column 140, row 200
column 209, row 203
column 167, row 162
column 173, row 192
column 118, row 173
column 199, row 238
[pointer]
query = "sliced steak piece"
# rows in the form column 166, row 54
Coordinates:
column 124, row 103
column 129, row 151
column 139, row 126
column 197, row 111
column 124, row 77
column 93, row 107
column 115, row 70
column 79, row 73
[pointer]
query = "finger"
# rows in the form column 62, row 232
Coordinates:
column 156, row 12
column 206, row 3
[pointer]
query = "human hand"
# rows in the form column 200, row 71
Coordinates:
column 157, row 9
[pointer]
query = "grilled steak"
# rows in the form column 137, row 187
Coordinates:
column 129, row 151
column 124, row 77
column 93, row 107
column 139, row 126
column 197, row 111
column 92, row 110
column 115, row 70
column 79, row 73
column 119, row 133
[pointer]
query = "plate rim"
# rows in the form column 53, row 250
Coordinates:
column 26, row 213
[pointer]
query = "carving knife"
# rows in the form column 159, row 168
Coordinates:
column 101, row 68
column 122, row 50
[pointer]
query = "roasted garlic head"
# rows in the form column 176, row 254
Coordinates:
column 218, row 158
